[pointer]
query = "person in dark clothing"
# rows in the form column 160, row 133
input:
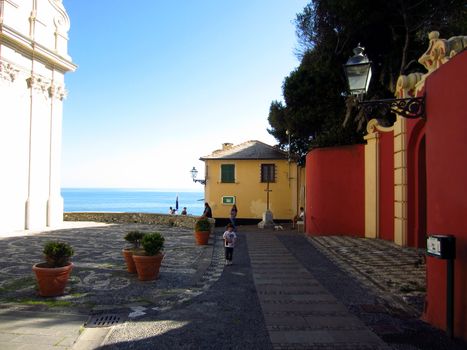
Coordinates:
column 207, row 211
column 233, row 216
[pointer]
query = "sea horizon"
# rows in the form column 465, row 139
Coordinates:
column 155, row 189
column 142, row 200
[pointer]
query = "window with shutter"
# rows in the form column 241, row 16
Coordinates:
column 268, row 173
column 228, row 173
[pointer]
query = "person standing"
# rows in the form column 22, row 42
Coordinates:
column 229, row 243
column 184, row 212
column 207, row 211
column 233, row 216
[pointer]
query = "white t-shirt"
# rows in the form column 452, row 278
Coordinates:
column 229, row 238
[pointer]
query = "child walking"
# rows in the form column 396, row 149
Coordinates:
column 229, row 238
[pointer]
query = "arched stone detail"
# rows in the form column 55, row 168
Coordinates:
column 374, row 126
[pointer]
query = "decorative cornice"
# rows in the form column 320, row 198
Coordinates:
column 8, row 71
column 12, row 38
column 438, row 53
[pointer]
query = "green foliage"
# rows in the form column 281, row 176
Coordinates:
column 394, row 34
column 48, row 303
column 18, row 284
column 152, row 243
column 202, row 225
column 57, row 254
column 134, row 237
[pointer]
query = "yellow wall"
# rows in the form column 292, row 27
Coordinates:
column 249, row 192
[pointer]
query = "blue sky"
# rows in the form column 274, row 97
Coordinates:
column 161, row 83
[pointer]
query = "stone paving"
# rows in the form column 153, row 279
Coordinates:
column 99, row 280
column 299, row 312
column 397, row 273
column 284, row 291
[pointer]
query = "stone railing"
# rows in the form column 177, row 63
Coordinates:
column 186, row 221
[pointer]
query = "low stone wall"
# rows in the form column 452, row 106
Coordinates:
column 186, row 221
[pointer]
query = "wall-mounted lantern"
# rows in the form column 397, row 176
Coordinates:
column 194, row 174
column 358, row 73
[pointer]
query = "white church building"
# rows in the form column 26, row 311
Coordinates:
column 33, row 62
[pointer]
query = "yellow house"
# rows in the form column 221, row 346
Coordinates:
column 254, row 176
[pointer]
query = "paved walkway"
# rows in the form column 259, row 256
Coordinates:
column 284, row 291
column 299, row 312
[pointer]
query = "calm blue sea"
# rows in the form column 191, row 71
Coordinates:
column 130, row 200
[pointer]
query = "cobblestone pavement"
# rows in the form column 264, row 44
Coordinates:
column 284, row 291
column 99, row 281
column 386, row 315
column 397, row 273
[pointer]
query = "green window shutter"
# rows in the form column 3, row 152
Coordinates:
column 228, row 173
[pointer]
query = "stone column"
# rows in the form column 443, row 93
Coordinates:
column 400, row 182
column 39, row 161
column 55, row 200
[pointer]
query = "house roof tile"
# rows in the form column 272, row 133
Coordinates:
column 248, row 150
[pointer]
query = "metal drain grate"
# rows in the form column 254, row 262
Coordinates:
column 105, row 320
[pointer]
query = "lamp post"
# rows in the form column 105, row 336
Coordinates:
column 194, row 174
column 358, row 73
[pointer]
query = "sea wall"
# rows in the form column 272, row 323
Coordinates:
column 186, row 221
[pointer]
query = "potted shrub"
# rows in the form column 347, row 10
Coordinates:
column 202, row 231
column 148, row 260
column 133, row 237
column 52, row 275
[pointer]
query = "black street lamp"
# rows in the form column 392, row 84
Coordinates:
column 194, row 173
column 358, row 72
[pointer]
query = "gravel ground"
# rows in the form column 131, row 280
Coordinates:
column 227, row 316
column 397, row 328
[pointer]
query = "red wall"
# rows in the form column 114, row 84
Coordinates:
column 416, row 184
column 386, row 186
column 446, row 165
column 335, row 191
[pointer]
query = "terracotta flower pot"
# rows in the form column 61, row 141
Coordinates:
column 202, row 237
column 52, row 280
column 148, row 266
column 130, row 264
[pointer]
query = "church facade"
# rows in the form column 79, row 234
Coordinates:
column 33, row 63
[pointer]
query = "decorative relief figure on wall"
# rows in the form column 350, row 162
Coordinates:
column 57, row 91
column 39, row 84
column 8, row 72
column 439, row 52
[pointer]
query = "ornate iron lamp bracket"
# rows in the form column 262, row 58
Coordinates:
column 202, row 182
column 411, row 108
